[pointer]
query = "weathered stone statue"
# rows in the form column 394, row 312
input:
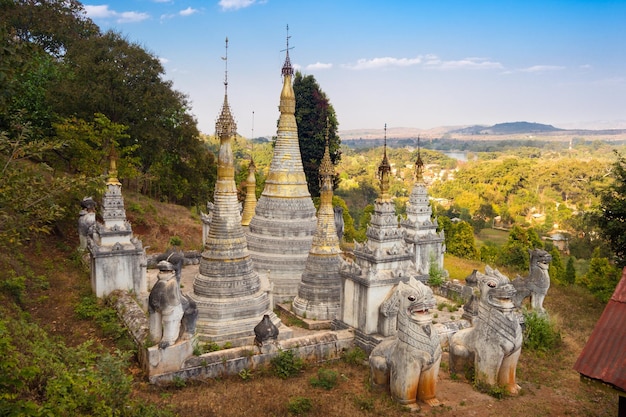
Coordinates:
column 176, row 258
column 409, row 362
column 338, row 211
column 165, row 307
column 493, row 344
column 86, row 220
column 265, row 331
column 536, row 284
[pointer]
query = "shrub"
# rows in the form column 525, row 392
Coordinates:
column 299, row 406
column 540, row 333
column 286, row 364
column 326, row 378
column 354, row 356
column 176, row 241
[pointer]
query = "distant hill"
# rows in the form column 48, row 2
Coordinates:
column 510, row 128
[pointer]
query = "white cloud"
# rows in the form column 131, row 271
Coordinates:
column 319, row 66
column 384, row 62
column 131, row 17
column 238, row 4
column 163, row 60
column 542, row 68
column 433, row 62
column 188, row 11
column 103, row 12
column 428, row 61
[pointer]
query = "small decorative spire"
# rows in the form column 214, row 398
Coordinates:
column 113, row 167
column 225, row 127
column 287, row 68
column 384, row 169
column 419, row 164
column 327, row 170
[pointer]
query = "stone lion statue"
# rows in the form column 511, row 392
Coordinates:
column 409, row 362
column 493, row 344
column 172, row 315
column 536, row 284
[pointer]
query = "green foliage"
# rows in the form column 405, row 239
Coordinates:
column 601, row 277
column 612, row 218
column 41, row 376
column 556, row 269
column 286, row 364
column 570, row 271
column 299, row 406
column 326, row 378
column 315, row 117
column 366, row 218
column 459, row 238
column 175, row 241
column 364, row 403
column 435, row 274
column 490, row 253
column 245, row 374
column 354, row 356
column 90, row 308
column 32, row 197
column 540, row 333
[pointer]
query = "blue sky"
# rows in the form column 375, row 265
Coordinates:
column 411, row 63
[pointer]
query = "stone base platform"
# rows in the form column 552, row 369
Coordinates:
column 307, row 323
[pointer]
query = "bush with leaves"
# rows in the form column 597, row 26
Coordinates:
column 286, row 364
column 540, row 333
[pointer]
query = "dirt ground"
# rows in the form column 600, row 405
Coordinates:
column 550, row 387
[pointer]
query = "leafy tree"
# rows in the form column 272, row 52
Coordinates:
column 612, row 219
column 314, row 114
column 570, row 271
column 364, row 222
column 459, row 238
column 87, row 145
column 556, row 269
column 32, row 198
column 601, row 278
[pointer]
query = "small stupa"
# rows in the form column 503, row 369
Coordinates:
column 380, row 264
column 281, row 231
column 227, row 290
column 420, row 228
column 118, row 259
column 319, row 292
column 249, row 204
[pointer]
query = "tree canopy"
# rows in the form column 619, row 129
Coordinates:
column 612, row 217
column 59, row 73
column 314, row 116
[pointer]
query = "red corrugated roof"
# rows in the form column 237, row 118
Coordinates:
column 604, row 355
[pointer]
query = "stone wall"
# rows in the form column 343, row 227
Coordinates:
column 178, row 361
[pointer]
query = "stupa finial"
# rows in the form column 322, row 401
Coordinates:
column 113, row 167
column 384, row 169
column 419, row 164
column 287, row 68
column 225, row 127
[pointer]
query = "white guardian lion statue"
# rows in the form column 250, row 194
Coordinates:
column 409, row 362
column 493, row 344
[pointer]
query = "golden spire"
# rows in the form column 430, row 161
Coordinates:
column 384, row 169
column 113, row 168
column 419, row 164
column 286, row 177
column 225, row 125
column 327, row 169
column 249, row 204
